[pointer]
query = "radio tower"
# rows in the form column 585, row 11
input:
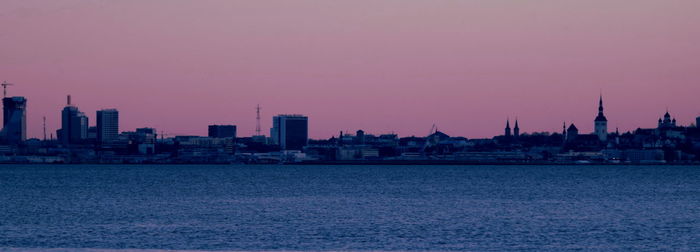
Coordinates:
column 257, row 118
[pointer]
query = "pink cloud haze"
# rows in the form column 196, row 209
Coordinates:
column 389, row 65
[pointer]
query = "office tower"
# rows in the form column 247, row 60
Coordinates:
column 222, row 131
column 290, row 132
column 14, row 125
column 74, row 125
column 107, row 126
column 601, row 123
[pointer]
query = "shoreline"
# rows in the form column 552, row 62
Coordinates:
column 375, row 163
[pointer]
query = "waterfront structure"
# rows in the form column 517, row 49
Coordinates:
column 290, row 132
column 107, row 126
column 74, row 125
column 601, row 123
column 516, row 129
column 222, row 131
column 14, row 125
column 697, row 122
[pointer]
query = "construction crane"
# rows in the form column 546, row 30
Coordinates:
column 4, row 88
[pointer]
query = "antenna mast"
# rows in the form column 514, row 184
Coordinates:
column 257, row 118
column 44, row 128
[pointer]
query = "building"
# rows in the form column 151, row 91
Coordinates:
column 92, row 134
column 516, row 129
column 14, row 127
column 107, row 126
column 507, row 129
column 601, row 123
column 142, row 141
column 697, row 122
column 222, row 131
column 571, row 133
column 667, row 122
column 290, row 132
column 74, row 125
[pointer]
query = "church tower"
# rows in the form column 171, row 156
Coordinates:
column 507, row 133
column 601, row 123
column 516, row 129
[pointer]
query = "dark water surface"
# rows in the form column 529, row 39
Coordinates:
column 351, row 207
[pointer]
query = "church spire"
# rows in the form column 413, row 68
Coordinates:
column 601, row 116
column 600, row 122
column 516, row 129
column 507, row 133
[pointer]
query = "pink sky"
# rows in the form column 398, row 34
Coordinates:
column 379, row 65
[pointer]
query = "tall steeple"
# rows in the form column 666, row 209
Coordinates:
column 601, row 116
column 516, row 129
column 601, row 123
column 507, row 133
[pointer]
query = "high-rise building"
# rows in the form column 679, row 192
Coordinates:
column 601, row 123
column 107, row 126
column 222, row 131
column 290, row 132
column 697, row 122
column 74, row 125
column 14, row 127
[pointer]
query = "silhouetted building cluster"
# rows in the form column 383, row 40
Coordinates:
column 222, row 131
column 78, row 142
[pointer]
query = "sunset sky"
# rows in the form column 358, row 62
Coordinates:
column 377, row 65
